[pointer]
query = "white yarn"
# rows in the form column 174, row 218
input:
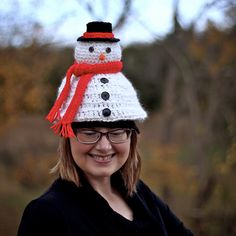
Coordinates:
column 83, row 55
column 123, row 102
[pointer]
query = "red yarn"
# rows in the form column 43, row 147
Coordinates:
column 86, row 72
column 98, row 35
column 54, row 112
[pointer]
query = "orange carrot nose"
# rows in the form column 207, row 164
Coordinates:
column 102, row 57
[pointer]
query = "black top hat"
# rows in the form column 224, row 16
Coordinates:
column 98, row 31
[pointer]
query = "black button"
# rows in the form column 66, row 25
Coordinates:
column 104, row 80
column 105, row 95
column 106, row 112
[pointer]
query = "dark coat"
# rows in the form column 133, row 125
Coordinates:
column 67, row 210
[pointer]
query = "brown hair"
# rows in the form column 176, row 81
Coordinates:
column 67, row 169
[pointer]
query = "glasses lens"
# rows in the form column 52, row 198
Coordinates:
column 119, row 136
column 87, row 136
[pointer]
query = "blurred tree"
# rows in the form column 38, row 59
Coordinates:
column 192, row 78
column 186, row 81
column 25, row 76
column 99, row 10
column 19, row 28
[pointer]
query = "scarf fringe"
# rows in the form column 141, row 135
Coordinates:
column 64, row 130
column 54, row 112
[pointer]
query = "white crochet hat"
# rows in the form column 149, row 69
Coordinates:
column 94, row 88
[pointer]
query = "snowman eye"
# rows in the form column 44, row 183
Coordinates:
column 91, row 49
column 108, row 50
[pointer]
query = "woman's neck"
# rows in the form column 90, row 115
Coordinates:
column 102, row 186
column 112, row 196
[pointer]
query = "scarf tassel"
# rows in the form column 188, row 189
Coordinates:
column 64, row 130
column 63, row 126
column 54, row 113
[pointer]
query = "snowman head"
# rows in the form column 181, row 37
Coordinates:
column 97, row 52
column 97, row 44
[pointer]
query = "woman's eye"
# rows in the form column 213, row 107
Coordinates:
column 91, row 49
column 90, row 133
column 108, row 50
column 118, row 132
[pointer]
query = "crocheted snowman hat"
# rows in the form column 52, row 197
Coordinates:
column 94, row 88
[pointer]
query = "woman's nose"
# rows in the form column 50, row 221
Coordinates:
column 103, row 144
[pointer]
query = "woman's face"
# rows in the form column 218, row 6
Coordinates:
column 102, row 159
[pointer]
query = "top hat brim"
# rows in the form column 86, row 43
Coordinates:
column 112, row 40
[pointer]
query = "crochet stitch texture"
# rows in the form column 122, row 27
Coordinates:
column 123, row 101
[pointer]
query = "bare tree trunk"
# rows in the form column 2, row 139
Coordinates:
column 168, row 106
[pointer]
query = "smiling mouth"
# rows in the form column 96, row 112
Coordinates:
column 102, row 159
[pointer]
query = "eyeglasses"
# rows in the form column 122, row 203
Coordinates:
column 89, row 136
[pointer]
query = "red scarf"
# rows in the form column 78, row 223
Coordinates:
column 86, row 72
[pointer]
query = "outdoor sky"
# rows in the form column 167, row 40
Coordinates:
column 148, row 19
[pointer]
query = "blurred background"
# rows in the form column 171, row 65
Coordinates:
column 181, row 57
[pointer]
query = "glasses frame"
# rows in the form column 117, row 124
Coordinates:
column 101, row 134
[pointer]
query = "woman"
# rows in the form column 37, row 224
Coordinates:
column 98, row 191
